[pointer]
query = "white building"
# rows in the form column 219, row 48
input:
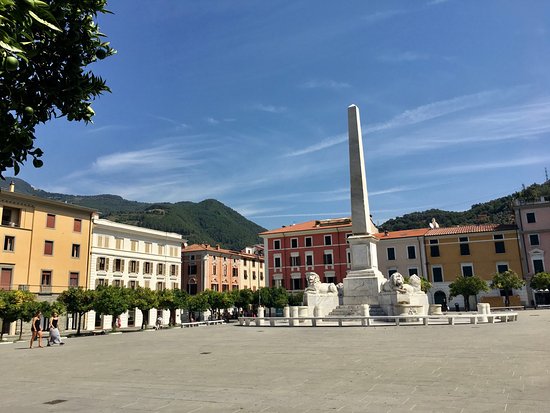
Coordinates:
column 129, row 256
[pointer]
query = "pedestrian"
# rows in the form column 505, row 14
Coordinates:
column 55, row 337
column 159, row 322
column 36, row 330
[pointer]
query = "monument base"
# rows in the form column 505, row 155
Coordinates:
column 389, row 301
column 324, row 303
column 363, row 287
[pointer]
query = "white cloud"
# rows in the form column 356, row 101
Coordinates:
column 382, row 15
column 212, row 121
column 270, row 108
column 403, row 57
column 325, row 84
column 484, row 166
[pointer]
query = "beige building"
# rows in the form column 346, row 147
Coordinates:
column 45, row 244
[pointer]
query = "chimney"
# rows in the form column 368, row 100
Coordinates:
column 12, row 186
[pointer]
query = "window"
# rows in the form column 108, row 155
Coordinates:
column 100, row 281
column 330, row 279
column 277, row 244
column 48, row 247
column 499, row 244
column 119, row 265
column 538, row 266
column 192, row 269
column 133, row 267
column 214, row 268
column 160, row 249
column 296, row 283
column 214, row 287
column 148, row 247
column 117, row 283
column 46, row 278
column 434, row 248
column 467, row 270
column 327, row 258
column 119, row 243
column 294, row 242
column 50, row 221
column 160, row 269
column 235, row 272
column 148, row 267
column 437, row 274
column 132, row 284
column 309, row 241
column 75, row 252
column 245, row 274
column 73, row 279
column 309, row 259
column 502, row 268
column 160, row 286
column 134, row 245
column 411, row 252
column 391, row 271
column 101, row 264
column 295, row 261
column 464, row 246
column 77, row 225
column 9, row 243
column 534, row 239
column 390, row 253
column 225, row 287
column 11, row 216
column 253, row 275
column 5, row 278
column 328, row 239
column 173, row 270
column 531, row 218
column 413, row 271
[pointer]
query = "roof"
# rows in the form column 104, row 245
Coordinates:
column 311, row 226
column 470, row 229
column 407, row 233
column 36, row 200
column 218, row 249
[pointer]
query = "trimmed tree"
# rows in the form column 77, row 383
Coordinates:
column 507, row 281
column 77, row 301
column 172, row 300
column 144, row 299
column 15, row 306
column 45, row 47
column 197, row 303
column 540, row 281
column 111, row 300
column 467, row 286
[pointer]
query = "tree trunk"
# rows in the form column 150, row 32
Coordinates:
column 506, row 298
column 78, row 324
column 20, row 329
column 466, row 303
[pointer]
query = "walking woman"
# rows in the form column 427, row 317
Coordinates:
column 36, row 330
column 55, row 337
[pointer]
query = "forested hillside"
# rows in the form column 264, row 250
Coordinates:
column 208, row 221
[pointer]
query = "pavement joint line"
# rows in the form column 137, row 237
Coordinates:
column 412, row 407
column 406, row 400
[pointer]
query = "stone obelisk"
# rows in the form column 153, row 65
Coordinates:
column 363, row 281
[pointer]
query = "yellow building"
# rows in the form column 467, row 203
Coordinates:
column 45, row 244
column 480, row 250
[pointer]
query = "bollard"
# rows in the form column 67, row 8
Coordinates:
column 294, row 314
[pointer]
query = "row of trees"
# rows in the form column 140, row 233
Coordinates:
column 111, row 300
column 506, row 281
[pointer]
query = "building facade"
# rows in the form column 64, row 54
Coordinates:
column 45, row 245
column 130, row 256
column 480, row 250
column 319, row 246
column 533, row 220
column 403, row 252
column 207, row 267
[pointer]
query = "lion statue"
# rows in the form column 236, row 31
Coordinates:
column 416, row 283
column 315, row 286
column 396, row 283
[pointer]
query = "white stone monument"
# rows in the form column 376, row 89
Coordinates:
column 362, row 283
column 320, row 298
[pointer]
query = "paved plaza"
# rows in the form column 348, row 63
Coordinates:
column 464, row 368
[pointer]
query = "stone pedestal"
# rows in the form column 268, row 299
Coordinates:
column 389, row 301
column 324, row 302
column 435, row 309
column 261, row 312
column 365, row 310
column 293, row 314
column 286, row 311
column 484, row 308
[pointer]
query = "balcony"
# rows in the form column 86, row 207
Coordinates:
column 45, row 289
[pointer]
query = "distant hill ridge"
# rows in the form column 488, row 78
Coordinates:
column 497, row 211
column 209, row 221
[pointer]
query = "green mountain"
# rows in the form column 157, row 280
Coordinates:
column 208, row 221
column 497, row 211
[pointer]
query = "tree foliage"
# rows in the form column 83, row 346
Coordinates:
column 112, row 300
column 507, row 281
column 45, row 47
column 467, row 286
column 77, row 300
column 143, row 299
column 540, row 281
column 17, row 305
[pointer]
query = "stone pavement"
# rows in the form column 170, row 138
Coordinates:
column 464, row 368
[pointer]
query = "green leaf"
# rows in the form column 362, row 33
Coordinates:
column 10, row 48
column 44, row 22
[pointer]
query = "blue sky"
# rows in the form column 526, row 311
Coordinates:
column 246, row 102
